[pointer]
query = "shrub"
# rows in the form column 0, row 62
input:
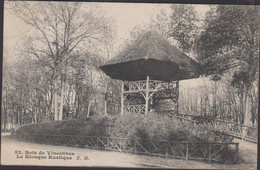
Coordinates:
column 100, row 126
column 158, row 127
column 95, row 126
column 152, row 126
column 134, row 126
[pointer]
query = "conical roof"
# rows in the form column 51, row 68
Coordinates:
column 151, row 55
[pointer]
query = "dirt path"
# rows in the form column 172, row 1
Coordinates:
column 109, row 159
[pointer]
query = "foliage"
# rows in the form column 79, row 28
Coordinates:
column 226, row 42
column 158, row 127
column 58, row 60
column 135, row 126
column 230, row 39
column 113, row 96
column 95, row 126
column 184, row 26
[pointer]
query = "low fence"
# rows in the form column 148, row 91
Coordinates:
column 237, row 130
column 231, row 128
column 208, row 151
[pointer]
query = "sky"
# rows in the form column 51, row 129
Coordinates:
column 127, row 16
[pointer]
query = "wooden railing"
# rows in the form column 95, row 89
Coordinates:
column 231, row 128
column 139, row 109
column 209, row 151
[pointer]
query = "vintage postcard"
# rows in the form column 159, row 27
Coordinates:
column 130, row 85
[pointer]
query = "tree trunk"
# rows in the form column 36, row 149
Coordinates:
column 215, row 100
column 106, row 99
column 61, row 100
column 89, row 104
column 4, row 120
column 55, row 102
column 201, row 105
column 32, row 119
column 35, row 117
column 247, row 113
column 96, row 105
column 247, row 109
column 18, row 117
column 242, row 101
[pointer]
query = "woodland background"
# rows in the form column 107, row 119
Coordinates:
column 56, row 74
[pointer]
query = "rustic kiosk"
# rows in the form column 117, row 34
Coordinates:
column 150, row 69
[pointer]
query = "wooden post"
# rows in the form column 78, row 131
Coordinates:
column 122, row 99
column 209, row 152
column 135, row 146
column 243, row 132
column 106, row 99
column 147, row 95
column 177, row 97
column 166, row 150
column 187, row 151
column 120, row 149
column 97, row 143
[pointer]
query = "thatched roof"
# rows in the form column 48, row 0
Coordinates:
column 151, row 55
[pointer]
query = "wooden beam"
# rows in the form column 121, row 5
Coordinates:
column 137, row 91
column 177, row 97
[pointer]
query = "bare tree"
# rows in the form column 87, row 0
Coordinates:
column 61, row 28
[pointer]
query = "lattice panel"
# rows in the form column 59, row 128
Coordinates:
column 153, row 85
column 135, row 86
column 134, row 109
column 147, row 92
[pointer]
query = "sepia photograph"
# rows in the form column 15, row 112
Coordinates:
column 130, row 85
